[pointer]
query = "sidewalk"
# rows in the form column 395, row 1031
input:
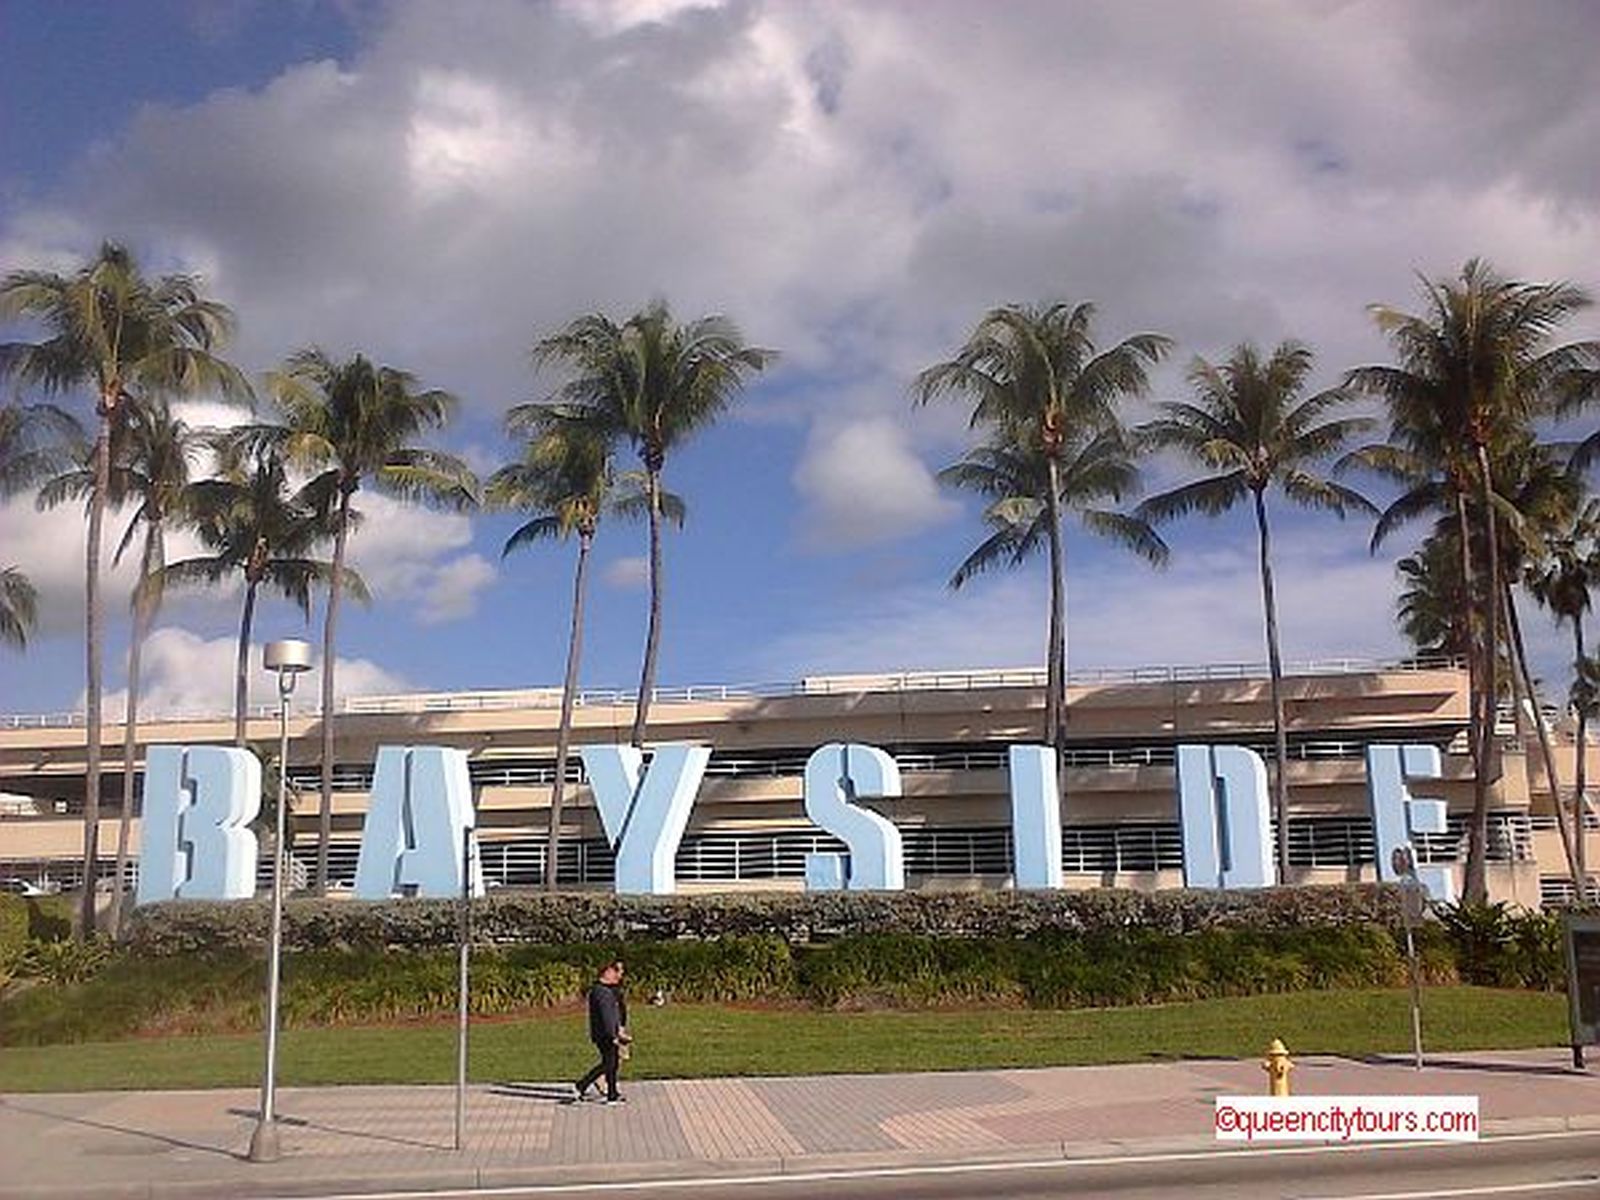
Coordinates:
column 368, row 1139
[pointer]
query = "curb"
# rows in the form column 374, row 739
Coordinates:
column 492, row 1176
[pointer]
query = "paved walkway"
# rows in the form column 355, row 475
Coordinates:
column 366, row 1139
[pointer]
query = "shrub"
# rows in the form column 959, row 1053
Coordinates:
column 1541, row 951
column 62, row 963
column 50, row 918
column 13, row 926
column 1497, row 947
column 1481, row 934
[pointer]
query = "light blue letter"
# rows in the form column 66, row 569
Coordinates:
column 419, row 814
column 1222, row 798
column 1035, row 817
column 644, row 812
column 1396, row 816
column 194, row 837
column 836, row 774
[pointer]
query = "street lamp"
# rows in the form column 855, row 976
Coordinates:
column 288, row 659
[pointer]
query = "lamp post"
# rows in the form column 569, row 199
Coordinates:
column 287, row 659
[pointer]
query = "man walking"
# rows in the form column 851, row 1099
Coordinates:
column 608, row 1030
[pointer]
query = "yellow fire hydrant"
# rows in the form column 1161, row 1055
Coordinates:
column 1277, row 1066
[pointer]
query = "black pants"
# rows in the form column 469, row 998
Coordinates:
column 607, row 1066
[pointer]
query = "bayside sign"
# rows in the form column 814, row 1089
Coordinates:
column 200, row 800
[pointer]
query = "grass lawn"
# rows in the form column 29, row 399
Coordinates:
column 709, row 1040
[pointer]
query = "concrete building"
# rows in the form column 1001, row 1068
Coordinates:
column 948, row 732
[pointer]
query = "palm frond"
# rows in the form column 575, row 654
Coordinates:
column 1311, row 491
column 1127, row 530
column 1002, row 548
column 1212, row 497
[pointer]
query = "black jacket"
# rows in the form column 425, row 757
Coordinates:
column 608, row 1013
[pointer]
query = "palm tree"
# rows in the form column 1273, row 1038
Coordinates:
column 18, row 607
column 253, row 525
column 151, row 456
column 1038, row 385
column 654, row 382
column 1432, row 609
column 159, row 447
column 1250, row 426
column 1534, row 496
column 565, row 480
column 353, row 422
column 1473, row 372
column 129, row 340
column 1537, row 498
column 1563, row 581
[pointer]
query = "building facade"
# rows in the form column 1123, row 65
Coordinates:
column 949, row 734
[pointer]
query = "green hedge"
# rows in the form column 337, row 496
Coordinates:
column 190, row 967
column 223, row 991
column 183, row 927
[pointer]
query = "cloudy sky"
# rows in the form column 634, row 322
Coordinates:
column 436, row 185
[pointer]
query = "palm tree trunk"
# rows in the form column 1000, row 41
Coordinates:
column 325, row 809
column 143, row 613
column 569, row 692
column 241, row 666
column 94, row 618
column 1580, row 772
column 1280, row 736
column 1055, row 705
column 652, row 640
column 1473, row 885
column 1520, row 672
column 1477, row 890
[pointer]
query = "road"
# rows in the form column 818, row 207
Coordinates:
column 1553, row 1166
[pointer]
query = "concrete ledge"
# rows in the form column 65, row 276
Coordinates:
column 286, row 1180
column 1512, row 1126
column 651, row 1171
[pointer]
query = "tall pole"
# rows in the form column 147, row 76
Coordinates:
column 287, row 659
column 1416, row 994
column 1404, row 861
column 465, row 939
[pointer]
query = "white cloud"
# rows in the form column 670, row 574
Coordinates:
column 407, row 556
column 627, row 573
column 463, row 137
column 615, row 15
column 862, row 484
column 49, row 547
column 452, row 593
column 851, row 181
column 184, row 673
column 855, row 184
column 410, row 558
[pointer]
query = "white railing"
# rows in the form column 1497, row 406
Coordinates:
column 814, row 685
column 69, row 720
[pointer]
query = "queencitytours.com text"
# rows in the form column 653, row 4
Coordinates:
column 1346, row 1118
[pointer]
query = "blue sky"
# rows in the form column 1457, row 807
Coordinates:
column 438, row 185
